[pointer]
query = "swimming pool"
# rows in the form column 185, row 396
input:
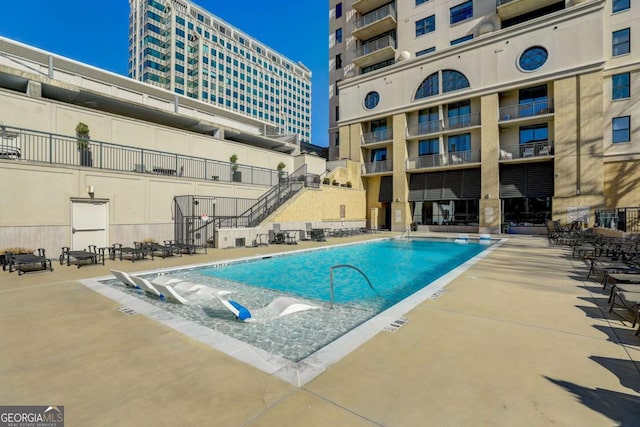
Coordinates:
column 397, row 268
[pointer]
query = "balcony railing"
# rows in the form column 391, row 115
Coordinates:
column 375, row 46
column 445, row 159
column 377, row 136
column 463, row 121
column 529, row 109
column 377, row 167
column 528, row 150
column 41, row 147
column 433, row 126
column 375, row 16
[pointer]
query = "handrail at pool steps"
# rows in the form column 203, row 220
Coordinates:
column 345, row 266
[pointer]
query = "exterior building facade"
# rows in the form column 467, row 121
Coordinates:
column 482, row 115
column 179, row 46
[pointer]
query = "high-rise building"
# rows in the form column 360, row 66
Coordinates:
column 488, row 115
column 179, row 46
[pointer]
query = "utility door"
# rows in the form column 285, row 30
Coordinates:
column 89, row 224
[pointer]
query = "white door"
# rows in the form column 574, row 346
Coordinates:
column 89, row 221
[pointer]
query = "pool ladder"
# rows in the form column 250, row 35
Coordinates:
column 345, row 266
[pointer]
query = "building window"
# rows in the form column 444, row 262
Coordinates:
column 459, row 143
column 419, row 2
column 621, row 129
column 377, row 66
column 533, row 58
column 459, row 114
column 337, row 113
column 621, row 86
column 338, row 61
column 619, row 5
column 379, row 155
column 371, row 100
column 462, row 39
column 532, row 100
column 425, row 25
column 429, row 87
column 461, row 12
column 425, row 51
column 427, row 147
column 339, row 35
column 337, row 139
column 338, row 10
column 336, row 90
column 621, row 43
column 453, row 80
column 535, row 133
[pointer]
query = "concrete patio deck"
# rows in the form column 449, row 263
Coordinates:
column 519, row 339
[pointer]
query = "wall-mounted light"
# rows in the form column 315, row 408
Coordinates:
column 91, row 191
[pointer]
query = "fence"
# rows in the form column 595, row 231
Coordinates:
column 42, row 147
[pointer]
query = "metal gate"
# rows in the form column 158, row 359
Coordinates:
column 194, row 220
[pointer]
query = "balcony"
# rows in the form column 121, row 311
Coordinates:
column 377, row 22
column 455, row 158
column 463, row 121
column 531, row 109
column 384, row 135
column 530, row 150
column 376, row 51
column 364, row 6
column 382, row 166
column 508, row 9
column 426, row 128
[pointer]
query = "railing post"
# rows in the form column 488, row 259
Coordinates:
column 50, row 148
column 101, row 155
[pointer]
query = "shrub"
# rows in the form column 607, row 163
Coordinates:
column 326, row 181
column 336, row 183
column 349, row 185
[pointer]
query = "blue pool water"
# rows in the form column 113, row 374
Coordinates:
column 396, row 268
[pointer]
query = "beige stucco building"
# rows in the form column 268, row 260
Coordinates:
column 483, row 115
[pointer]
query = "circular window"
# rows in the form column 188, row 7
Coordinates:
column 533, row 58
column 371, row 100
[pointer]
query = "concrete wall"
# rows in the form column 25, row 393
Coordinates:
column 35, row 205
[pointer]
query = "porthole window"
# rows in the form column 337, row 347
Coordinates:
column 533, row 58
column 371, row 100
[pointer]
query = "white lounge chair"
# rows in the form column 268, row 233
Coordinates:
column 167, row 293
column 124, row 278
column 145, row 285
column 281, row 305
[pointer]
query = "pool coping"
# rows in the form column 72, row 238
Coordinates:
column 295, row 373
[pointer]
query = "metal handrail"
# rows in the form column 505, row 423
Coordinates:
column 345, row 266
column 375, row 16
column 45, row 147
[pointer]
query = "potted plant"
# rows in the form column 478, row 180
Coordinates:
column 335, row 182
column 281, row 167
column 349, row 185
column 326, row 181
column 82, row 142
column 236, row 175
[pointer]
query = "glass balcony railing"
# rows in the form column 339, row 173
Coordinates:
column 377, row 136
column 528, row 150
column 375, row 16
column 433, row 126
column 463, row 121
column 376, row 45
column 529, row 109
column 445, row 159
column 377, row 167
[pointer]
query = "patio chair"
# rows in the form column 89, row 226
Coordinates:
column 20, row 261
column 629, row 301
column 134, row 253
column 528, row 152
column 93, row 255
column 317, row 234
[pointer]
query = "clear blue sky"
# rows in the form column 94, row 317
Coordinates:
column 96, row 33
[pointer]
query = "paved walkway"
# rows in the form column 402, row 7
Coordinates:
column 519, row 339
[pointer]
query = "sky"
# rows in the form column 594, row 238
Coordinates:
column 96, row 33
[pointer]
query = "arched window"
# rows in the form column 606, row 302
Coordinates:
column 429, row 87
column 453, row 80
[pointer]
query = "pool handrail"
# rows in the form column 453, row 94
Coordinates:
column 345, row 266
